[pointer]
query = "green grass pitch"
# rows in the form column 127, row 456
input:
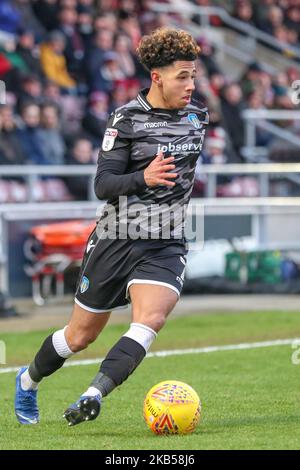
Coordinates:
column 250, row 398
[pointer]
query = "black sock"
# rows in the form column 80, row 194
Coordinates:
column 119, row 363
column 46, row 362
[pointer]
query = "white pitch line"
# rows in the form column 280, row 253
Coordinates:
column 180, row 352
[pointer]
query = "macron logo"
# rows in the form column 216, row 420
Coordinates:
column 149, row 125
column 117, row 118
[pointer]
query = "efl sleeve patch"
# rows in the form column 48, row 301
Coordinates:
column 109, row 139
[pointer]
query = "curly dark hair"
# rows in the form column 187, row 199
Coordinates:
column 164, row 46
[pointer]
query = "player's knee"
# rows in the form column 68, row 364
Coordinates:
column 80, row 341
column 155, row 321
column 158, row 324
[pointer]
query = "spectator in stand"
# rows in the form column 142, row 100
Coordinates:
column 214, row 152
column 3, row 160
column 281, row 79
column 70, row 109
column 129, row 25
column 292, row 37
column 213, row 20
column 217, row 83
column 30, row 136
column 107, row 6
column 283, row 101
column 292, row 74
column 281, row 34
column 81, row 154
column 261, row 10
column 150, row 19
column 128, row 6
column 232, row 107
column 46, row 11
column 52, row 141
column 95, row 119
column 123, row 49
column 28, row 17
column 29, row 52
column 12, row 66
column 8, row 48
column 11, row 188
column 87, row 4
column 243, row 11
column 133, row 87
column 68, row 3
column 119, row 95
column 292, row 18
column 251, row 79
column 5, row 67
column 85, row 26
column 54, row 63
column 274, row 20
column 31, row 91
column 109, row 73
column 207, row 56
column 102, row 44
column 74, row 47
column 10, row 149
column 52, row 94
column 215, row 117
column 203, row 91
column 267, row 89
column 281, row 87
column 215, row 147
column 106, row 22
column 255, row 100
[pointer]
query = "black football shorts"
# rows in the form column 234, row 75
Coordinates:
column 110, row 267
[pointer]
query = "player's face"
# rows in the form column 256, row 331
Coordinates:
column 178, row 83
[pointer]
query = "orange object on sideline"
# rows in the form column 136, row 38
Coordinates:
column 68, row 238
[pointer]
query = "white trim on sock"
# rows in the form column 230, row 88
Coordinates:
column 60, row 344
column 92, row 392
column 142, row 334
column 27, row 383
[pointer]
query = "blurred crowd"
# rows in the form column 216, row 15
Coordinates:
column 279, row 18
column 256, row 89
column 68, row 63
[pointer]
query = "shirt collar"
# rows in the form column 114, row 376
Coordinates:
column 141, row 97
column 148, row 107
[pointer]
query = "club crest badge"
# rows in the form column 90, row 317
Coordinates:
column 109, row 139
column 193, row 118
column 85, row 283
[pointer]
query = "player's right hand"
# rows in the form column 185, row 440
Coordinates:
column 157, row 172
